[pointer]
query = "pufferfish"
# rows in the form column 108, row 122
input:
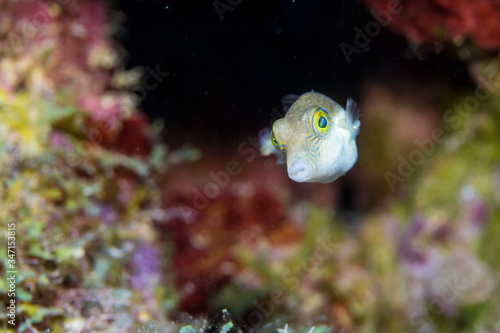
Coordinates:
column 316, row 138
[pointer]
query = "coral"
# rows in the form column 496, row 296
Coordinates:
column 60, row 55
column 83, row 257
column 112, row 236
column 79, row 171
column 244, row 223
column 444, row 20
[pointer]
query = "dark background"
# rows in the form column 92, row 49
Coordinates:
column 227, row 76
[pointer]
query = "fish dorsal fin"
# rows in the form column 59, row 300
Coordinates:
column 288, row 100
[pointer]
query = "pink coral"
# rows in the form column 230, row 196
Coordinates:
column 61, row 51
column 444, row 20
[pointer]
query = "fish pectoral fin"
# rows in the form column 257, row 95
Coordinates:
column 353, row 112
column 266, row 146
column 281, row 159
column 355, row 127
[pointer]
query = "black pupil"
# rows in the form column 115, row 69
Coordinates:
column 273, row 139
column 322, row 122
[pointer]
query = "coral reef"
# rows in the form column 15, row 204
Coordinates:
column 116, row 234
column 60, row 55
column 79, row 170
column 443, row 20
column 244, row 224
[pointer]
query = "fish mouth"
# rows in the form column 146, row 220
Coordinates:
column 299, row 172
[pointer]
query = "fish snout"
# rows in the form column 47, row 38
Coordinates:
column 299, row 171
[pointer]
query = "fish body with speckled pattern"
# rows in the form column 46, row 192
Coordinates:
column 316, row 138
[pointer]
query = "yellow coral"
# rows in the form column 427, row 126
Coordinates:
column 26, row 119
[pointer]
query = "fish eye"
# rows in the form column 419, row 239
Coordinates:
column 274, row 141
column 276, row 144
column 320, row 122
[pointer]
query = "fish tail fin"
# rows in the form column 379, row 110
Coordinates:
column 353, row 115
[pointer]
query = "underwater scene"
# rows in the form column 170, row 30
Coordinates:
column 234, row 166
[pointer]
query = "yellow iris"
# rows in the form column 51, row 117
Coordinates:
column 321, row 123
column 275, row 142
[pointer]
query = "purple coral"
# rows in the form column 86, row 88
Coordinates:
column 146, row 265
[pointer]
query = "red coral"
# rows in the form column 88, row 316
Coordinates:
column 134, row 137
column 210, row 240
column 442, row 20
